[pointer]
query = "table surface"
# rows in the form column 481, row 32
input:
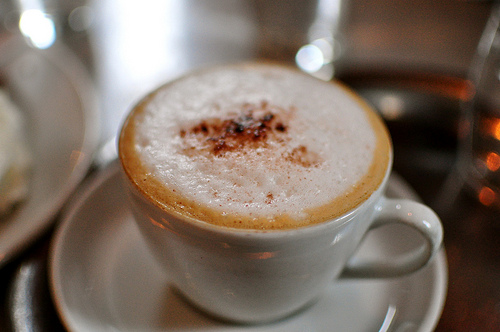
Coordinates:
column 425, row 145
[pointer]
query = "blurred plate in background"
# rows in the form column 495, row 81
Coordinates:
column 54, row 93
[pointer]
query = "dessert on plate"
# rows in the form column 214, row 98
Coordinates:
column 15, row 158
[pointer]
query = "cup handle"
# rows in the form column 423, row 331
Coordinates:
column 412, row 214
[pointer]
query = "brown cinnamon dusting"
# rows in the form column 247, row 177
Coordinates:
column 254, row 125
column 252, row 128
column 302, row 156
column 269, row 198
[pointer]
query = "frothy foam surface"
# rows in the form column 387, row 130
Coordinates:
column 255, row 146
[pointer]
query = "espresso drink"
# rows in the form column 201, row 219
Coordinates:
column 254, row 146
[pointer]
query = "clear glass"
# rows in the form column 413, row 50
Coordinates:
column 479, row 157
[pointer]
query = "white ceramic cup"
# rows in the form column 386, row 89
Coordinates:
column 256, row 276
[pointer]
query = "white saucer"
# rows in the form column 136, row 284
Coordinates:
column 103, row 279
column 55, row 94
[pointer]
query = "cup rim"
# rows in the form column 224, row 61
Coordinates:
column 194, row 223
column 191, row 223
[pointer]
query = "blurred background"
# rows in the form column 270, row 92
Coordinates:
column 130, row 47
column 411, row 59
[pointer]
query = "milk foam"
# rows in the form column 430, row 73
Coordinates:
column 319, row 142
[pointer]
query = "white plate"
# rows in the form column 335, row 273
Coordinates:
column 54, row 93
column 103, row 279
